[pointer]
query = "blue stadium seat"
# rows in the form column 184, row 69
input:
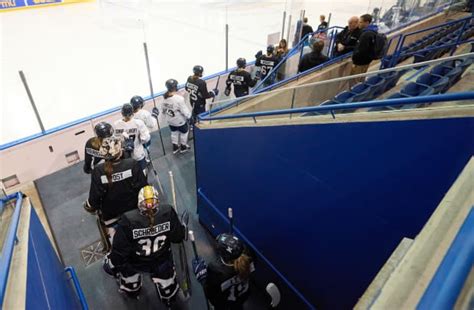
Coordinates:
column 344, row 97
column 388, row 108
column 361, row 92
column 454, row 75
column 440, row 84
column 391, row 79
column 378, row 85
column 415, row 89
column 441, row 69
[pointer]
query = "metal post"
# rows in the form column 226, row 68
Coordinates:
column 329, row 20
column 226, row 47
column 153, row 94
column 283, row 25
column 288, row 30
column 293, row 101
column 23, row 79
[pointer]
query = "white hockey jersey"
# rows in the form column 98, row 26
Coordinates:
column 175, row 110
column 136, row 130
column 146, row 117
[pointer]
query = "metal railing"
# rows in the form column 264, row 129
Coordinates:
column 400, row 53
column 450, row 277
column 10, row 241
column 77, row 286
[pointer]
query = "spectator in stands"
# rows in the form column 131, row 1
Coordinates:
column 306, row 28
column 324, row 24
column 364, row 50
column 346, row 40
column 314, row 58
column 282, row 49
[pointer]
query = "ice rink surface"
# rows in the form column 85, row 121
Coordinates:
column 81, row 59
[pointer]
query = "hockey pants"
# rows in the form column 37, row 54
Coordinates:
column 179, row 135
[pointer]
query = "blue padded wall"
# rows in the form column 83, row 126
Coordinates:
column 327, row 204
column 48, row 286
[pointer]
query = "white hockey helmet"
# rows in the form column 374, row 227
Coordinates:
column 111, row 148
column 148, row 200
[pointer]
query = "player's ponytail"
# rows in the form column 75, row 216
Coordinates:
column 167, row 94
column 151, row 217
column 109, row 170
column 96, row 142
column 242, row 266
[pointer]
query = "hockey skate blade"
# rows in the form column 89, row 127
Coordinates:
column 274, row 293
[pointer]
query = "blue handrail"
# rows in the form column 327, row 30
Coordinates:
column 77, row 286
column 448, row 281
column 9, row 243
column 344, row 106
column 255, row 250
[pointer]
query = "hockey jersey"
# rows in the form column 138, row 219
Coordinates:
column 122, row 194
column 223, row 287
column 198, row 94
column 135, row 241
column 134, row 131
column 145, row 117
column 266, row 64
column 92, row 156
column 242, row 81
column 175, row 110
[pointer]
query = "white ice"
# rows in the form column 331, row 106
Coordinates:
column 81, row 59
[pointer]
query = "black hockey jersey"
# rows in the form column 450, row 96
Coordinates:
column 266, row 64
column 122, row 194
column 135, row 242
column 198, row 94
column 92, row 155
column 242, row 81
column 224, row 288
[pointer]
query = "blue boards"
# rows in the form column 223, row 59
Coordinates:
column 326, row 204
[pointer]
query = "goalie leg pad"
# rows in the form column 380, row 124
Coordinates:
column 164, row 277
column 130, row 285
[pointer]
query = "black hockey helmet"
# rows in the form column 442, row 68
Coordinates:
column 103, row 130
column 241, row 62
column 229, row 247
column 198, row 70
column 270, row 49
column 127, row 110
column 137, row 102
column 171, row 85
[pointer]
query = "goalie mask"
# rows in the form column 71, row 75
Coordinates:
column 111, row 148
column 148, row 200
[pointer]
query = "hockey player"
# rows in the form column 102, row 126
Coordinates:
column 226, row 280
column 114, row 184
column 197, row 89
column 150, row 119
column 92, row 156
column 266, row 63
column 177, row 115
column 240, row 79
column 134, row 132
column 142, row 243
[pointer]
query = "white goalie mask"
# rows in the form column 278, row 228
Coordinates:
column 111, row 148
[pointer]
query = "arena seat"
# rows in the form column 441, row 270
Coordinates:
column 344, row 97
column 440, row 84
column 415, row 89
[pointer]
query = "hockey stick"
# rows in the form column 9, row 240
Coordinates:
column 154, row 170
column 104, row 235
column 230, row 214
column 193, row 242
column 186, row 284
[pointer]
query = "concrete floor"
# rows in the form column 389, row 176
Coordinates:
column 63, row 193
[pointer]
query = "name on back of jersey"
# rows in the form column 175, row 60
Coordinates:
column 117, row 177
column 128, row 130
column 94, row 152
column 151, row 231
column 267, row 62
column 237, row 79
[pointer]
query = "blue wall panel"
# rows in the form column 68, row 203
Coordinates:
column 328, row 203
column 48, row 286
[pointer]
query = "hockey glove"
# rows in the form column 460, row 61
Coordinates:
column 184, row 222
column 200, row 269
column 258, row 75
column 227, row 91
column 155, row 112
column 259, row 54
column 89, row 208
column 87, row 170
column 214, row 92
